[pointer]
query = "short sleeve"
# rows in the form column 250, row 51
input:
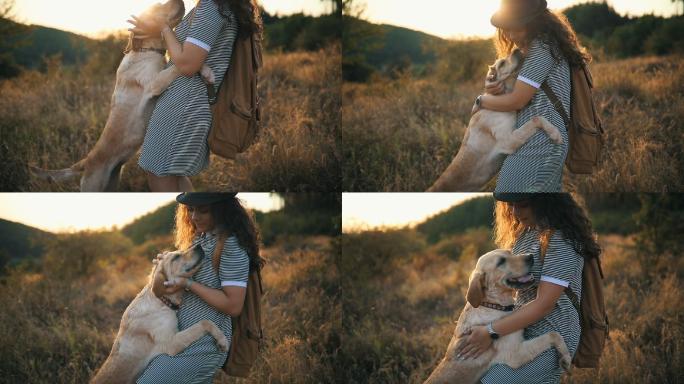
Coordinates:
column 234, row 265
column 206, row 25
column 561, row 262
column 537, row 65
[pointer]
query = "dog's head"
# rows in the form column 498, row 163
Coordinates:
column 176, row 264
column 505, row 68
column 172, row 11
column 497, row 275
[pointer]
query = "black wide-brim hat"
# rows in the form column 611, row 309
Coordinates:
column 204, row 198
column 517, row 13
column 512, row 197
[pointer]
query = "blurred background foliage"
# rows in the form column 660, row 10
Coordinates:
column 386, row 50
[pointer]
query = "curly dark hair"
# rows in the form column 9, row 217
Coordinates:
column 552, row 212
column 248, row 15
column 230, row 215
column 551, row 28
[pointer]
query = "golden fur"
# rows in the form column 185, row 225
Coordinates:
column 149, row 327
column 491, row 282
column 490, row 136
column 140, row 78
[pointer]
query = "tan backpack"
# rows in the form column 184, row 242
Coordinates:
column 247, row 332
column 585, row 130
column 591, row 309
column 235, row 110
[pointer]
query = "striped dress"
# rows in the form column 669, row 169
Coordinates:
column 562, row 266
column 538, row 165
column 176, row 138
column 202, row 359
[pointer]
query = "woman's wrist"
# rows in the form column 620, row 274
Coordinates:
column 188, row 284
column 164, row 30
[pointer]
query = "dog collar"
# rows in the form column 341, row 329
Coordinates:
column 507, row 308
column 158, row 50
column 168, row 303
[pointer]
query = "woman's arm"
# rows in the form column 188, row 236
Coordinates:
column 188, row 58
column 228, row 300
column 479, row 340
column 509, row 102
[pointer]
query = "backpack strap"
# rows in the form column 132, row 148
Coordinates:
column 557, row 105
column 218, row 248
column 543, row 246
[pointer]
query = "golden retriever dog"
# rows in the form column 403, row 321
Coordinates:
column 140, row 78
column 490, row 136
column 497, row 275
column 149, row 326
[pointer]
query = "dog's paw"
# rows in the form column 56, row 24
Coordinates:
column 555, row 136
column 565, row 362
column 222, row 344
column 207, row 75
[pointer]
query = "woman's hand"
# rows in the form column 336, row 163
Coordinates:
column 143, row 29
column 473, row 343
column 494, row 88
column 174, row 285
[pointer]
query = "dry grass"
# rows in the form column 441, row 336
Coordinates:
column 59, row 330
column 54, row 119
column 400, row 135
column 401, row 318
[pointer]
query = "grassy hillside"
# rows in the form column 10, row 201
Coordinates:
column 418, row 124
column 402, row 296
column 53, row 119
column 20, row 242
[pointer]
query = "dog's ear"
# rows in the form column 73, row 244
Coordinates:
column 475, row 289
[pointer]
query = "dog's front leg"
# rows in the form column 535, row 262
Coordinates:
column 513, row 141
column 183, row 339
column 161, row 81
column 530, row 349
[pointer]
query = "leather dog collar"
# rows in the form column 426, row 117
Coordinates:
column 168, row 302
column 507, row 308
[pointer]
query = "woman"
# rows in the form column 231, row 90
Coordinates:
column 175, row 145
column 550, row 47
column 217, row 291
column 525, row 222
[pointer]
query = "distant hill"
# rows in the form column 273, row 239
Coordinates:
column 156, row 223
column 20, row 242
column 31, row 44
column 402, row 45
column 473, row 213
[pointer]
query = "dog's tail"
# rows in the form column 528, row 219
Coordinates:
column 58, row 175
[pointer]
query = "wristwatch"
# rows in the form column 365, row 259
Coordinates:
column 492, row 332
column 478, row 101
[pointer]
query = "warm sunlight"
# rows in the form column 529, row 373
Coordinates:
column 362, row 211
column 454, row 19
column 60, row 212
column 94, row 18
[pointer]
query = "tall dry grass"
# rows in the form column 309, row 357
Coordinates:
column 401, row 312
column 400, row 135
column 53, row 119
column 57, row 326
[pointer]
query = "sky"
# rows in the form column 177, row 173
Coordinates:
column 363, row 211
column 68, row 212
column 459, row 18
column 97, row 17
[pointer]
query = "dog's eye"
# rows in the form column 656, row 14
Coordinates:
column 500, row 262
column 175, row 258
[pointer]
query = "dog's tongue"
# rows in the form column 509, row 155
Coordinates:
column 524, row 279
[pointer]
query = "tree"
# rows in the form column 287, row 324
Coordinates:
column 681, row 1
column 337, row 6
column 10, row 32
